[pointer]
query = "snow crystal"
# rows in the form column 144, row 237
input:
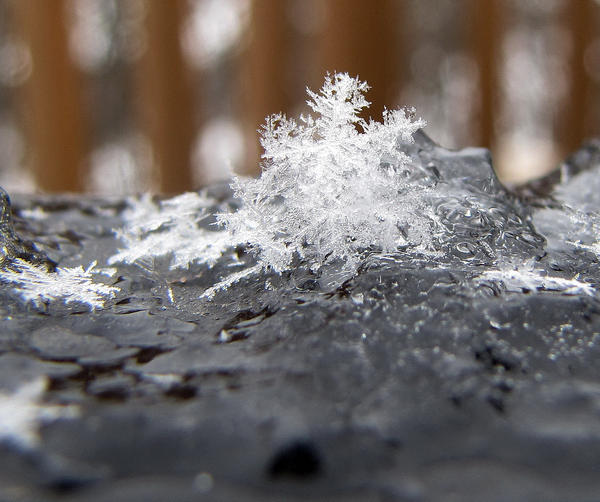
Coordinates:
column 333, row 185
column 170, row 228
column 577, row 222
column 72, row 285
column 36, row 214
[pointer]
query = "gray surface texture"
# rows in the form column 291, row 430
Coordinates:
column 418, row 378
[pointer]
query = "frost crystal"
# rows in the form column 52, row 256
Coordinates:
column 333, row 185
column 72, row 285
column 170, row 228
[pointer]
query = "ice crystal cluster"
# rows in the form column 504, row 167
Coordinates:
column 170, row 228
column 332, row 185
column 73, row 285
column 529, row 279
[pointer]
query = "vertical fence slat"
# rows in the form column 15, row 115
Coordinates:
column 362, row 38
column 165, row 103
column 263, row 72
column 572, row 124
column 487, row 17
column 52, row 102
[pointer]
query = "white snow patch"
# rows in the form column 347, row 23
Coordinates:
column 164, row 380
column 36, row 213
column 21, row 413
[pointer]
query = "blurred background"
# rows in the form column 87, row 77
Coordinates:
column 122, row 96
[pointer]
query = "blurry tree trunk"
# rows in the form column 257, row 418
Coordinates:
column 165, row 102
column 572, row 124
column 264, row 72
column 486, row 17
column 52, row 97
column 362, row 38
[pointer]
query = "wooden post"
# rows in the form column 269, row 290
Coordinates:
column 52, row 97
column 362, row 38
column 572, row 122
column 264, row 71
column 165, row 103
column 486, row 18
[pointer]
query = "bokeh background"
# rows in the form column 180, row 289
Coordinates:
column 122, row 96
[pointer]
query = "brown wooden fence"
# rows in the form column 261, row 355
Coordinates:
column 287, row 44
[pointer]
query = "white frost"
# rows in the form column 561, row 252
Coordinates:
column 332, row 186
column 71, row 285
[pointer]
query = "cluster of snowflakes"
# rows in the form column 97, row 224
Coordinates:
column 332, row 186
column 23, row 411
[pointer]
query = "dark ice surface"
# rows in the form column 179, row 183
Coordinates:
column 419, row 378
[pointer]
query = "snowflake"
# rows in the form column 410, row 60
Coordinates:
column 333, row 185
column 72, row 285
column 170, row 228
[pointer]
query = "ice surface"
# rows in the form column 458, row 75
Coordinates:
column 424, row 369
